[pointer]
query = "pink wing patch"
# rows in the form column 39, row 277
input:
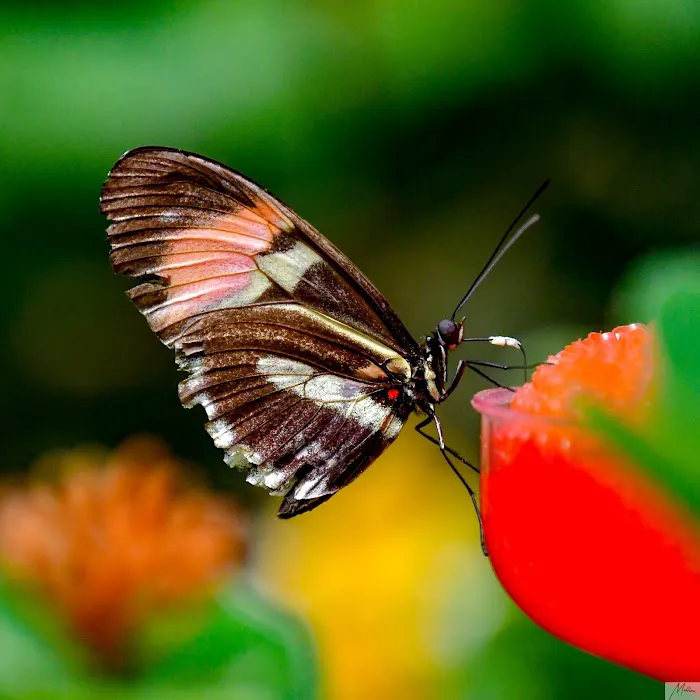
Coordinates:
column 195, row 286
column 194, row 243
column 202, row 238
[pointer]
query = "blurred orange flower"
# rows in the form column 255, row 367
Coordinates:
column 115, row 537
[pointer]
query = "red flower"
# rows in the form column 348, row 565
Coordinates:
column 586, row 544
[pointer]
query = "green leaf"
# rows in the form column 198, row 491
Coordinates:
column 36, row 656
column 654, row 279
column 679, row 331
column 681, row 483
column 237, row 642
column 666, row 288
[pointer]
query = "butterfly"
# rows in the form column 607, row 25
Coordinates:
column 304, row 370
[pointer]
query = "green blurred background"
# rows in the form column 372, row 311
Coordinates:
column 410, row 134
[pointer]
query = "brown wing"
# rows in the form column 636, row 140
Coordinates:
column 297, row 358
column 207, row 238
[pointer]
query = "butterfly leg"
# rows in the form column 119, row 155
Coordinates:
column 444, row 451
column 419, row 430
column 473, row 365
column 488, row 378
column 496, row 365
column 459, row 373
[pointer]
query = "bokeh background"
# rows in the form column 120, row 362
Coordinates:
column 410, row 134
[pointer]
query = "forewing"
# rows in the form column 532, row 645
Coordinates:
column 203, row 238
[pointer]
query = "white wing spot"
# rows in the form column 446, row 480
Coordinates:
column 312, row 489
column 394, row 428
column 323, row 388
column 288, row 267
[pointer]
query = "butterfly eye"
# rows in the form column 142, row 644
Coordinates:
column 449, row 332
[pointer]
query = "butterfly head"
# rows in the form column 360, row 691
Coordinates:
column 449, row 333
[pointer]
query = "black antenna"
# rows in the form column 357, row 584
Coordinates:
column 504, row 244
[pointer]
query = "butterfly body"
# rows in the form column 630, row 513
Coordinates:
column 305, row 371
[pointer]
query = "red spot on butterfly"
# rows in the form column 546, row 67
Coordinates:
column 392, row 394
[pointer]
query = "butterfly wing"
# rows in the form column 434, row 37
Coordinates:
column 292, row 351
